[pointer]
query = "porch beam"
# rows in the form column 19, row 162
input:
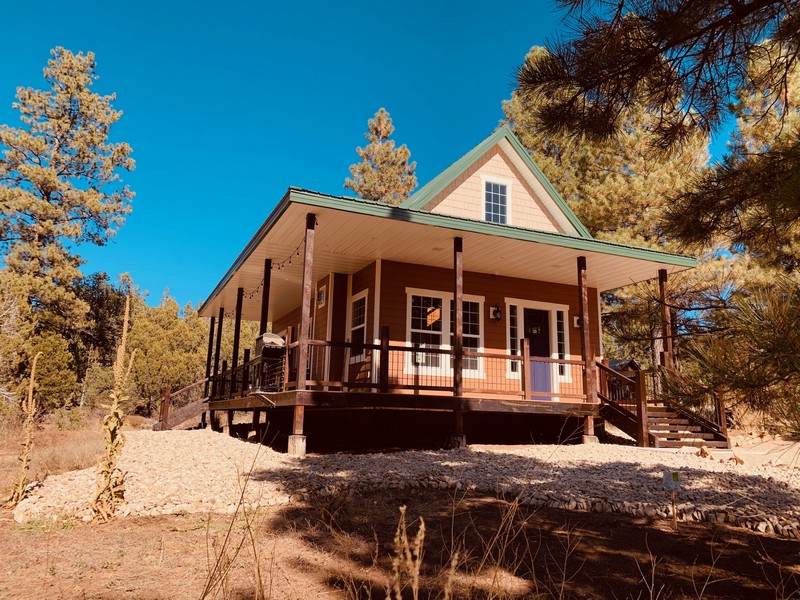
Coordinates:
column 587, row 354
column 215, row 383
column 209, row 353
column 667, row 355
column 262, row 328
column 237, row 331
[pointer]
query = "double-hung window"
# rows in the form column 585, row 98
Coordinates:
column 358, row 325
column 426, row 328
column 471, row 334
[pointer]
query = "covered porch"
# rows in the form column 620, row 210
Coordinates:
column 310, row 236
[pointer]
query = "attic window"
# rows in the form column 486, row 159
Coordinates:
column 496, row 202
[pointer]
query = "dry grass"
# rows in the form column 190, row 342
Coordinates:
column 54, row 451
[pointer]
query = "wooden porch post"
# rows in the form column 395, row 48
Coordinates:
column 297, row 441
column 262, row 328
column 587, row 355
column 457, row 439
column 643, row 429
column 667, row 356
column 237, row 330
column 208, row 356
column 215, row 383
column 526, row 368
column 245, row 371
column 222, row 380
column 164, row 409
column 383, row 372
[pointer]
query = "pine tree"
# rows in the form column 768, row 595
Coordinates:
column 619, row 188
column 59, row 188
column 384, row 173
column 686, row 60
column 59, row 184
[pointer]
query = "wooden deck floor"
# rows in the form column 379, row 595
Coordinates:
column 361, row 400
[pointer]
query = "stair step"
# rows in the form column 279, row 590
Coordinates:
column 692, row 443
column 665, row 421
column 678, row 427
column 688, row 435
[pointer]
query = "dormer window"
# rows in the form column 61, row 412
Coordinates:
column 496, row 201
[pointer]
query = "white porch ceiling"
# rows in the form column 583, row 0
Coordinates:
column 346, row 242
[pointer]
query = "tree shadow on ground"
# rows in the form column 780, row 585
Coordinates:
column 507, row 549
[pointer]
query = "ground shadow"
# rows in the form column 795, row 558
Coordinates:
column 351, row 511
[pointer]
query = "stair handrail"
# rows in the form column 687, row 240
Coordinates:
column 166, row 402
column 605, row 394
column 687, row 411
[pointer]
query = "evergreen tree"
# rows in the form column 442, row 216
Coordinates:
column 685, row 60
column 56, row 379
column 384, row 173
column 59, row 184
column 619, row 188
column 59, row 188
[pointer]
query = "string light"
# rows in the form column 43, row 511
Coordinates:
column 276, row 266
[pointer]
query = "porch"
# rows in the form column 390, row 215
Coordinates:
column 408, row 376
column 361, row 295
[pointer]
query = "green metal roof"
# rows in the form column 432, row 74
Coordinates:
column 457, row 224
column 430, row 190
column 400, row 213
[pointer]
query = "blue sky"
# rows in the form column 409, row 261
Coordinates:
column 228, row 104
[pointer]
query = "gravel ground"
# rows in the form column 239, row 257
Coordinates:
column 175, row 472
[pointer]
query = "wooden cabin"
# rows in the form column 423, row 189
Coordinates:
column 477, row 296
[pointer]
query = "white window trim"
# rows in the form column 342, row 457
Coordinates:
column 551, row 309
column 445, row 368
column 502, row 181
column 353, row 299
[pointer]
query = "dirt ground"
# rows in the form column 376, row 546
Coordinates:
column 342, row 547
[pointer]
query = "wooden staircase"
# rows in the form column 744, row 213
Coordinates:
column 629, row 403
column 669, row 428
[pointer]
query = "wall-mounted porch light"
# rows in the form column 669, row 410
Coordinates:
column 496, row 313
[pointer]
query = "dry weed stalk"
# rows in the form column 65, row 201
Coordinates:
column 407, row 559
column 226, row 553
column 110, row 479
column 29, row 408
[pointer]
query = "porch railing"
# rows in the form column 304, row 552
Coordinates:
column 406, row 368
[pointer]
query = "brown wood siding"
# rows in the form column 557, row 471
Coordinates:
column 290, row 319
column 365, row 280
column 339, row 322
column 396, row 277
column 339, row 313
column 321, row 313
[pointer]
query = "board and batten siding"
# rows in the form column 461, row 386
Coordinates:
column 495, row 289
column 464, row 197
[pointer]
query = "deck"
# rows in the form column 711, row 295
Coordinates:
column 343, row 375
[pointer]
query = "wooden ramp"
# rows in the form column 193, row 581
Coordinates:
column 182, row 416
